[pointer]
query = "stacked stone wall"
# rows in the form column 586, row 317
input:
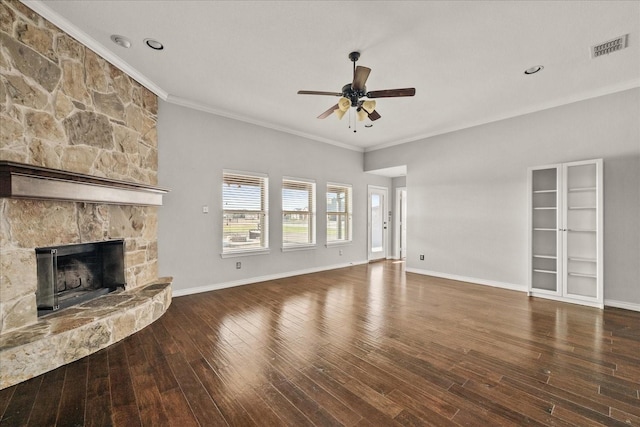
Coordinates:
column 64, row 107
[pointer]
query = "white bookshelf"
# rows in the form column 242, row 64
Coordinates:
column 565, row 232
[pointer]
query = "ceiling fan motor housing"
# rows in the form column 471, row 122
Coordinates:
column 353, row 95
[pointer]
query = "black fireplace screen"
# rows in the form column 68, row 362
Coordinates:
column 71, row 274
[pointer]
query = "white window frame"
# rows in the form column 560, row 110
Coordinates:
column 251, row 178
column 347, row 213
column 290, row 182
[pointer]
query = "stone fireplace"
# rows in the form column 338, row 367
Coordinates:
column 72, row 127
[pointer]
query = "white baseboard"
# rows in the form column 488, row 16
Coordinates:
column 250, row 280
column 566, row 300
column 622, row 304
column 523, row 288
column 493, row 283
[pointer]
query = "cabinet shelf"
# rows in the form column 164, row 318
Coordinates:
column 591, row 276
column 576, row 208
column 545, row 208
column 583, row 230
column 536, row 270
column 544, row 191
column 545, row 256
column 592, row 260
column 581, row 189
column 544, row 229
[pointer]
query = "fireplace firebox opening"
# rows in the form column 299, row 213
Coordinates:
column 72, row 274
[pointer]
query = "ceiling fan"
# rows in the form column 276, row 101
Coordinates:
column 353, row 92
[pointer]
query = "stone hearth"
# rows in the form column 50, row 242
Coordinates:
column 71, row 334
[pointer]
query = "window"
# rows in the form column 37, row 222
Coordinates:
column 245, row 212
column 338, row 213
column 298, row 213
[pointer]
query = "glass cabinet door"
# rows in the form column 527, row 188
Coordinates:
column 545, row 204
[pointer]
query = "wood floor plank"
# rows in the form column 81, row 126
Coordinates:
column 143, row 375
column 625, row 417
column 98, row 409
column 45, row 407
column 282, row 406
column 530, row 407
column 233, row 412
column 203, row 407
column 6, row 395
column 366, row 345
column 260, row 411
column 583, row 409
column 123, row 398
column 74, row 394
column 20, row 406
column 494, row 406
column 288, row 364
column 177, row 408
column 347, row 396
column 423, row 409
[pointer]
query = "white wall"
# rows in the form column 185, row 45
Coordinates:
column 467, row 190
column 194, row 148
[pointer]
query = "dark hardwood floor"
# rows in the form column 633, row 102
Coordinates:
column 365, row 345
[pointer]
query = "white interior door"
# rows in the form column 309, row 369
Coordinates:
column 377, row 219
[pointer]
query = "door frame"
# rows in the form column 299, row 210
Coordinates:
column 399, row 218
column 385, row 210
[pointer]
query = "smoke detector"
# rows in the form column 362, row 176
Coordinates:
column 610, row 46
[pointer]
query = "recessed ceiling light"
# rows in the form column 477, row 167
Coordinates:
column 533, row 69
column 121, row 41
column 154, row 44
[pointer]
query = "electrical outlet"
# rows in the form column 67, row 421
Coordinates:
column 421, row 257
column 238, row 265
column 205, row 209
column 340, row 252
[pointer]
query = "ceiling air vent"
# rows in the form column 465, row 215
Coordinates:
column 610, row 46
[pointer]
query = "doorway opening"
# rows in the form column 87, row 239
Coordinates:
column 378, row 218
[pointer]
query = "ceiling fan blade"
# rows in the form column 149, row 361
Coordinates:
column 315, row 92
column 360, row 77
column 391, row 93
column 374, row 115
column 328, row 112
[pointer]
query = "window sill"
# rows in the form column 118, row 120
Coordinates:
column 339, row 243
column 298, row 248
column 247, row 252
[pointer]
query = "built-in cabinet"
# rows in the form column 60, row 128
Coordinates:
column 565, row 232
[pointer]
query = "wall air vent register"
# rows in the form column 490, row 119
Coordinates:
column 610, row 46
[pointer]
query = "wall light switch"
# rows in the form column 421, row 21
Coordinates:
column 205, row 209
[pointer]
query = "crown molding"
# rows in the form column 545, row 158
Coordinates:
column 608, row 90
column 208, row 109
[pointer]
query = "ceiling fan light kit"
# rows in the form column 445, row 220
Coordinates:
column 351, row 94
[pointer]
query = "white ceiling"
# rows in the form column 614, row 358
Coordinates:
column 247, row 59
